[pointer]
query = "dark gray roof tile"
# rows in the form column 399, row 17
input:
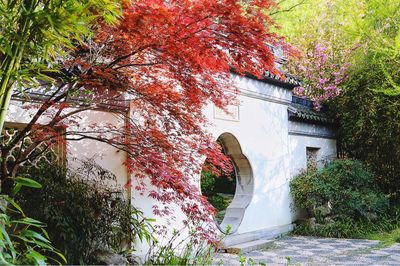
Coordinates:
column 302, row 110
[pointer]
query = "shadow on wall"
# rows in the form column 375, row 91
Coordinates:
column 269, row 155
column 105, row 155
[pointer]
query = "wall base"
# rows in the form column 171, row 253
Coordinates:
column 268, row 233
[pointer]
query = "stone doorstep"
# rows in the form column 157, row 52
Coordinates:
column 246, row 242
column 248, row 246
column 268, row 233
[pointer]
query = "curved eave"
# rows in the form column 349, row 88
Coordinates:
column 290, row 83
column 310, row 118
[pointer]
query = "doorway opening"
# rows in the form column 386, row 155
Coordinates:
column 230, row 195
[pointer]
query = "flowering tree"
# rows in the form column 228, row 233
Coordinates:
column 321, row 75
column 367, row 110
column 316, row 28
column 167, row 59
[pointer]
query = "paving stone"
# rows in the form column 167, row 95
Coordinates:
column 317, row 251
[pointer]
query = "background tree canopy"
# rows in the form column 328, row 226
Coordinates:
column 34, row 35
column 366, row 35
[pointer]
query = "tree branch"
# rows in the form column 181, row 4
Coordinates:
column 136, row 65
column 288, row 9
column 46, row 105
column 119, row 59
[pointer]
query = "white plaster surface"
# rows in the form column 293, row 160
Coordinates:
column 263, row 132
column 108, row 157
column 298, row 144
column 265, row 137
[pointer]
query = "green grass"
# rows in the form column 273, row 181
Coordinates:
column 386, row 238
column 385, row 229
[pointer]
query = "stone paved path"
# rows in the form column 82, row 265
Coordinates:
column 301, row 250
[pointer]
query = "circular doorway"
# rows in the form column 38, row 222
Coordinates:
column 230, row 195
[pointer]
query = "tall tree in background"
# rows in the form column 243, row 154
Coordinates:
column 369, row 109
column 319, row 29
column 168, row 60
column 366, row 36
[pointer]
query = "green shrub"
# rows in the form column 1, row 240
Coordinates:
column 23, row 240
column 207, row 183
column 369, row 121
column 350, row 228
column 343, row 188
column 219, row 202
column 83, row 211
column 212, row 184
column 219, row 191
column 195, row 249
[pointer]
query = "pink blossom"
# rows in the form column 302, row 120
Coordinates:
column 321, row 76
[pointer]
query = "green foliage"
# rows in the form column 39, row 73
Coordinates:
column 344, row 201
column 212, row 184
column 85, row 212
column 194, row 249
column 219, row 202
column 219, row 191
column 368, row 110
column 188, row 256
column 369, row 126
column 24, row 240
column 248, row 261
column 207, row 183
column 305, row 23
column 191, row 250
column 35, row 34
column 50, row 26
column 349, row 228
column 344, row 188
column 387, row 238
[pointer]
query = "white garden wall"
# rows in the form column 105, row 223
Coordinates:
column 275, row 149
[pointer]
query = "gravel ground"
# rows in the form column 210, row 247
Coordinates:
column 299, row 250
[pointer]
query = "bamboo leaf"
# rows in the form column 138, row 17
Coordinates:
column 27, row 182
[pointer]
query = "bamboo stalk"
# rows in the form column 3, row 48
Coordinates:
column 12, row 65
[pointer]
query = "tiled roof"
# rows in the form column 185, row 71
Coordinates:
column 288, row 81
column 288, row 78
column 302, row 110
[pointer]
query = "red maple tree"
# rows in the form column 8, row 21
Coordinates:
column 168, row 59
